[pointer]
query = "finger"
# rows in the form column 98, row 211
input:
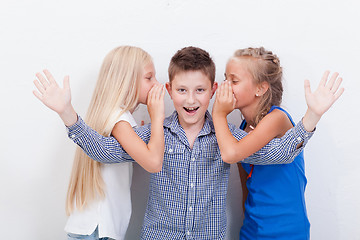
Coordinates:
column 218, row 91
column 307, row 87
column 324, row 78
column 151, row 93
column 230, row 91
column 339, row 93
column 330, row 83
column 49, row 77
column 39, row 86
column 162, row 92
column 226, row 90
column 336, row 85
column 37, row 95
column 234, row 101
column 157, row 92
column 223, row 89
column 42, row 80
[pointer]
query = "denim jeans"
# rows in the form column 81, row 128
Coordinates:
column 93, row 236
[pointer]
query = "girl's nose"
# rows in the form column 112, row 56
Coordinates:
column 156, row 81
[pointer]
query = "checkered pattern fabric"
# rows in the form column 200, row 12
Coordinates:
column 187, row 199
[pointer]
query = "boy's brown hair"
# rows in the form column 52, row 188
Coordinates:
column 192, row 59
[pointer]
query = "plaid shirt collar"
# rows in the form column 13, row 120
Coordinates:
column 172, row 122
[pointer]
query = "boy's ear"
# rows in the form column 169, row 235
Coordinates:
column 213, row 90
column 262, row 88
column 168, row 88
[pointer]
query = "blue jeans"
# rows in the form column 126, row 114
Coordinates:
column 93, row 236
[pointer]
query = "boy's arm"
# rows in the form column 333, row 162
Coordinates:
column 278, row 150
column 100, row 148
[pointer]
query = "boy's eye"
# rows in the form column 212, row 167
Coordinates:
column 201, row 90
column 181, row 90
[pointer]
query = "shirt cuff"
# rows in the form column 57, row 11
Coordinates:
column 76, row 130
column 301, row 135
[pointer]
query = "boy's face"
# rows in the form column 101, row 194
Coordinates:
column 191, row 92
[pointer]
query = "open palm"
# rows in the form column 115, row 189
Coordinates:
column 325, row 95
column 50, row 93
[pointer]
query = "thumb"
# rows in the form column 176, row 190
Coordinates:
column 307, row 87
column 66, row 83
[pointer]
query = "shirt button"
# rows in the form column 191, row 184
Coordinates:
column 193, row 159
column 191, row 185
column 190, row 209
column 188, row 232
column 73, row 136
column 299, row 139
column 170, row 150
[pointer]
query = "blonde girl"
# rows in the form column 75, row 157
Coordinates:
column 98, row 199
column 275, row 205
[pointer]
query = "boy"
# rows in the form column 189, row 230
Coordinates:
column 187, row 198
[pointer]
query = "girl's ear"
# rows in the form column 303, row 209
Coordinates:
column 262, row 88
column 168, row 88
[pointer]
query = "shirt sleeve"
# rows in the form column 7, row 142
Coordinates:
column 279, row 150
column 100, row 148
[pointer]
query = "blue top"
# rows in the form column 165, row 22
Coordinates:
column 275, row 205
column 187, row 198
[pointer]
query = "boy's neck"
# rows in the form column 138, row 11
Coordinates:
column 192, row 130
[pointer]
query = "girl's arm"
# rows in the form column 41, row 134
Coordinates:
column 272, row 125
column 149, row 156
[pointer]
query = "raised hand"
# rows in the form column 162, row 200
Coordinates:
column 56, row 98
column 325, row 95
column 225, row 100
column 155, row 103
column 321, row 99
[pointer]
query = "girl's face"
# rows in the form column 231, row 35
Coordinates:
column 147, row 81
column 242, row 82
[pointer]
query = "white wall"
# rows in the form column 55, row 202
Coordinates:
column 72, row 37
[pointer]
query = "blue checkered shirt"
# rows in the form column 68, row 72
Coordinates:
column 187, row 199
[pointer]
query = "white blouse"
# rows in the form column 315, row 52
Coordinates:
column 112, row 214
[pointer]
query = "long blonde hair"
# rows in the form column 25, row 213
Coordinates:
column 116, row 91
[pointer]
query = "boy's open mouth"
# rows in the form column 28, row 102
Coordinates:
column 191, row 109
